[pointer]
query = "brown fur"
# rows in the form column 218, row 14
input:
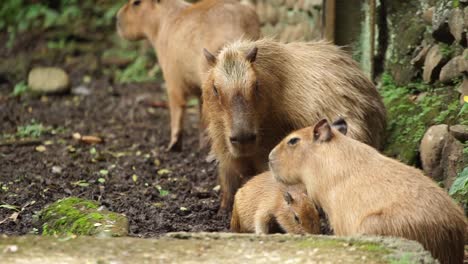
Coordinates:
column 261, row 201
column 178, row 32
column 286, row 87
column 364, row 192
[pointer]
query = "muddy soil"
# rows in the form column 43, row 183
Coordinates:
column 130, row 172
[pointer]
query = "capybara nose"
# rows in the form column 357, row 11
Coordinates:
column 245, row 138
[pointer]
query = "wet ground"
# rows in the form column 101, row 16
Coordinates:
column 130, row 172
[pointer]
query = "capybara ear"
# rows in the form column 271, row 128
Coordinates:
column 322, row 131
column 288, row 198
column 252, row 55
column 341, row 125
column 210, row 58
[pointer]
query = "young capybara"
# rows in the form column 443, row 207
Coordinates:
column 257, row 92
column 263, row 204
column 366, row 193
column 178, row 32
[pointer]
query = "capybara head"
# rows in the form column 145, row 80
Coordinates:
column 135, row 17
column 304, row 212
column 236, row 98
column 301, row 150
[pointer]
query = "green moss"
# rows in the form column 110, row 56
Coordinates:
column 409, row 118
column 76, row 216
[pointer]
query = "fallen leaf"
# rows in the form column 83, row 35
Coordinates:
column 93, row 151
column 91, row 139
column 183, row 208
column 163, row 172
column 101, row 180
column 157, row 162
column 9, row 206
column 41, row 148
column 104, row 172
column 217, row 188
column 135, row 178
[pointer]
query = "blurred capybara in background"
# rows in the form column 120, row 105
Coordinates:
column 265, row 206
column 178, row 32
column 257, row 92
column 365, row 193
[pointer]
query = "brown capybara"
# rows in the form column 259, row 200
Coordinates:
column 256, row 92
column 366, row 193
column 265, row 206
column 178, row 32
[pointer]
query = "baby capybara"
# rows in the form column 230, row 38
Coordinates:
column 265, row 206
column 366, row 193
column 257, row 92
column 178, row 32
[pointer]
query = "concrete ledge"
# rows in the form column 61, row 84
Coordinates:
column 212, row 248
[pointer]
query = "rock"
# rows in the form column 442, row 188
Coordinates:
column 48, row 80
column 81, row 217
column 427, row 15
column 432, row 64
column 460, row 132
column 456, row 24
column 440, row 26
column 452, row 160
column 463, row 90
column 418, row 60
column 431, row 148
column 213, row 248
column 454, row 68
column 56, row 170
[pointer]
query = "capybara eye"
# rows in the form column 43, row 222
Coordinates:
column 293, row 141
column 136, row 2
column 215, row 90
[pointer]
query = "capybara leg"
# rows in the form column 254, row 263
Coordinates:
column 204, row 139
column 262, row 220
column 177, row 103
column 230, row 181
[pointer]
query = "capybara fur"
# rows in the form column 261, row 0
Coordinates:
column 263, row 205
column 178, row 32
column 366, row 193
column 256, row 92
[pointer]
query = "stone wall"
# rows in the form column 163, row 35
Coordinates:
column 290, row 20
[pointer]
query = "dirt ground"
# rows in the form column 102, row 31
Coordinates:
column 130, row 173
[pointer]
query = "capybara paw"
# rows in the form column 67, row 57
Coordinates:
column 175, row 145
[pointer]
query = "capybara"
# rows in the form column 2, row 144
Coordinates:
column 256, row 92
column 263, row 205
column 178, row 32
column 366, row 193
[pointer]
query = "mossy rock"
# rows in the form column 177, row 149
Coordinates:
column 81, row 217
column 411, row 110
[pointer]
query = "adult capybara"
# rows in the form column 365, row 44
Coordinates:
column 257, row 92
column 366, row 193
column 178, row 32
column 265, row 206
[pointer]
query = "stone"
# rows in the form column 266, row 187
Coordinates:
column 452, row 160
column 463, row 90
column 48, row 80
column 432, row 64
column 431, row 149
column 440, row 26
column 81, row 217
column 81, row 90
column 418, row 60
column 460, row 132
column 456, row 24
column 453, row 69
column 213, row 248
column 262, row 12
column 427, row 15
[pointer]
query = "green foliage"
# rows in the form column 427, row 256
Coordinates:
column 409, row 118
column 446, row 50
column 33, row 130
column 459, row 189
column 136, row 72
column 20, row 89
